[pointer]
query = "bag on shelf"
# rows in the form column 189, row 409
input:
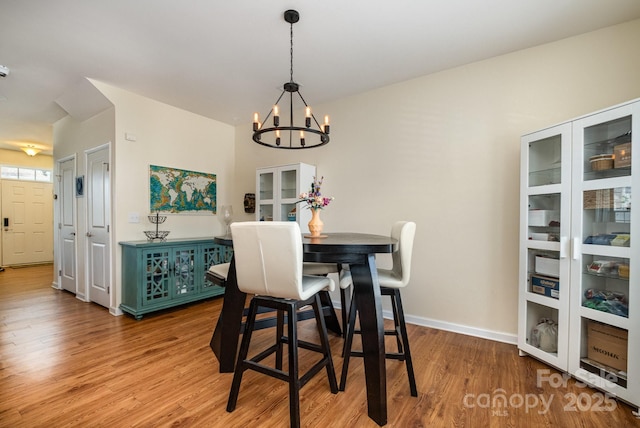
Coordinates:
column 545, row 335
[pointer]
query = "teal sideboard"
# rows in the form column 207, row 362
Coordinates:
column 160, row 275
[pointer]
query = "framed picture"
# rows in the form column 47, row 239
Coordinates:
column 80, row 186
column 173, row 190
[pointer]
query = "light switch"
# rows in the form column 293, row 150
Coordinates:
column 134, row 218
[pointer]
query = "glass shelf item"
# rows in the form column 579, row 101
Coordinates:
column 605, row 284
column 607, row 216
column 542, row 328
column 544, row 217
column 604, row 351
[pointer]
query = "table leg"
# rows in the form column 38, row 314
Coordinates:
column 226, row 335
column 368, row 301
column 330, row 317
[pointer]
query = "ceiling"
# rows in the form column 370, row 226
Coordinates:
column 227, row 59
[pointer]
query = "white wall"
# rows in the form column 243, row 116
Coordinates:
column 443, row 150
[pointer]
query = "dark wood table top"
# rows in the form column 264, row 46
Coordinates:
column 353, row 243
column 358, row 243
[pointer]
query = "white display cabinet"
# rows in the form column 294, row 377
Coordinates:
column 577, row 230
column 277, row 192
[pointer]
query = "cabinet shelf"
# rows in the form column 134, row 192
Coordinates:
column 547, row 189
column 545, row 177
column 607, row 144
column 543, row 300
column 604, row 317
column 542, row 245
column 606, row 275
column 606, row 250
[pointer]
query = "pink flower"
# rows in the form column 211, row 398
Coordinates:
column 314, row 198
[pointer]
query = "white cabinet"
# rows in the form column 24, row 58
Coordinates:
column 277, row 192
column 580, row 249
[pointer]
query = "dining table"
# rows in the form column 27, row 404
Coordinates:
column 358, row 250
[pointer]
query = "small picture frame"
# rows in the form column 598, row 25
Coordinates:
column 80, row 186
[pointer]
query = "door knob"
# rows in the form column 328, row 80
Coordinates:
column 89, row 234
column 72, row 234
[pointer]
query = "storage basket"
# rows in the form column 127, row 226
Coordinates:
column 598, row 199
column 601, row 162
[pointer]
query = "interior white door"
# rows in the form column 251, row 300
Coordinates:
column 67, row 204
column 27, row 220
column 98, row 225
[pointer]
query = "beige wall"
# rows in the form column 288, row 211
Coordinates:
column 443, row 150
column 165, row 136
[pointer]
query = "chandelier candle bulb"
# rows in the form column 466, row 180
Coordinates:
column 277, row 137
column 326, row 124
column 255, row 122
column 302, row 138
column 276, row 116
column 307, row 117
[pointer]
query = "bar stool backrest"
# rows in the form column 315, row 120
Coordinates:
column 268, row 258
column 404, row 232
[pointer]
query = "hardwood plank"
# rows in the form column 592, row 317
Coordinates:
column 67, row 363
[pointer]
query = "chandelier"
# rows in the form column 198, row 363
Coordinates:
column 306, row 135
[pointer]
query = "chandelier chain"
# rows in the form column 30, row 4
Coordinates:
column 291, row 51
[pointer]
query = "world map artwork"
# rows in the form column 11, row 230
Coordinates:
column 178, row 190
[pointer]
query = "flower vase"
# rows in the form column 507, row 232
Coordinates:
column 315, row 224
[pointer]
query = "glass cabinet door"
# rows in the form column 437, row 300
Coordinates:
column 289, row 194
column 545, row 228
column 157, row 276
column 266, row 188
column 602, row 270
column 545, row 161
column 607, row 149
column 184, row 271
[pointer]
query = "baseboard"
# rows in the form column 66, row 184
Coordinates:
column 511, row 339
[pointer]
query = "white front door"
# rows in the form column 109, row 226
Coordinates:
column 27, row 221
column 67, row 201
column 98, row 225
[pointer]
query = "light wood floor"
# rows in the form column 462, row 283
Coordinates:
column 66, row 363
